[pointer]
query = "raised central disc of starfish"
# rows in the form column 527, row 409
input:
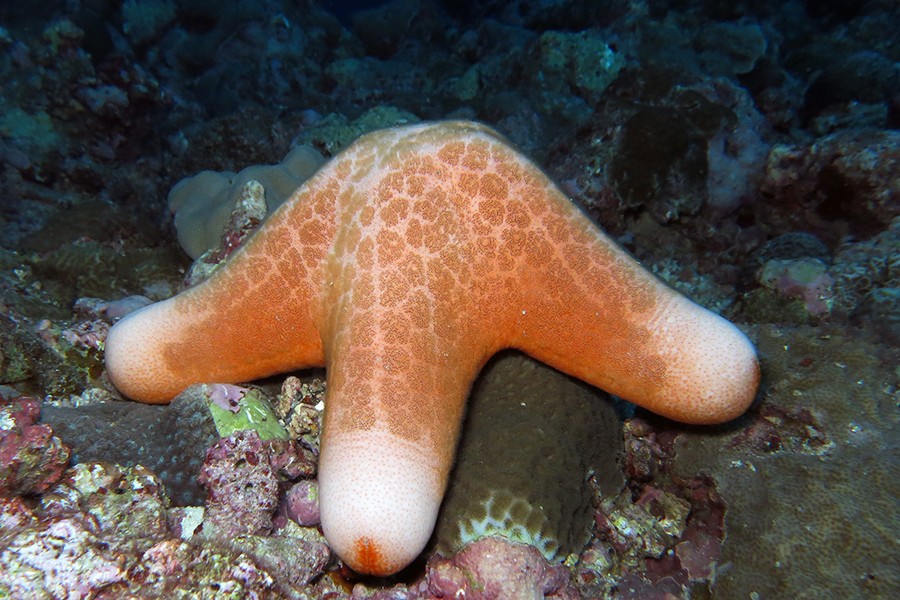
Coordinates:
column 402, row 266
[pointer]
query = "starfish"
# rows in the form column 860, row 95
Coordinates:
column 402, row 266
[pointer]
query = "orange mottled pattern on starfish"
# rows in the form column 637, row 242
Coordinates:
column 403, row 265
column 428, row 256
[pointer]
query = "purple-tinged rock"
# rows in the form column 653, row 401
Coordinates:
column 226, row 395
column 31, row 457
column 848, row 176
column 302, row 503
column 804, row 279
column 291, row 460
column 14, row 514
column 90, row 335
column 174, row 568
column 242, row 486
column 494, row 567
column 294, row 561
column 185, row 521
column 58, row 558
column 110, row 310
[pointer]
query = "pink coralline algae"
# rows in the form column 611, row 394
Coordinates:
column 492, row 568
column 243, row 474
column 31, row 457
column 804, row 279
column 227, row 395
column 242, row 486
column 90, row 335
column 774, row 429
column 302, row 503
column 699, row 543
column 661, row 536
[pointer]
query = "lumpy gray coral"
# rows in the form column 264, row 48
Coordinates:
column 171, row 440
column 867, row 281
column 532, row 438
column 848, row 176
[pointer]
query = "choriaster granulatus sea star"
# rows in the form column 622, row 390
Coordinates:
column 403, row 265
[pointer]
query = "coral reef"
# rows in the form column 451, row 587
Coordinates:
column 849, row 176
column 333, row 269
column 299, row 406
column 867, row 282
column 511, row 571
column 31, row 457
column 302, row 503
column 805, row 280
column 234, row 408
column 246, row 215
column 103, row 531
column 242, row 487
column 736, row 148
column 583, row 61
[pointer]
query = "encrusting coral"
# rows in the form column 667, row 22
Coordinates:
column 545, row 434
column 170, row 440
column 403, row 265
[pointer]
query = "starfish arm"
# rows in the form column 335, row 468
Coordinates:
column 552, row 284
column 252, row 318
column 403, row 345
column 399, row 373
column 589, row 309
column 389, row 437
column 458, row 248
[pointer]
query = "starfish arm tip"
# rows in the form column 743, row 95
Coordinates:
column 713, row 369
column 379, row 501
column 133, row 361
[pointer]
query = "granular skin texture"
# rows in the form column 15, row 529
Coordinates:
column 402, row 266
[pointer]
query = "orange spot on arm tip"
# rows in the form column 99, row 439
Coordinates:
column 368, row 558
